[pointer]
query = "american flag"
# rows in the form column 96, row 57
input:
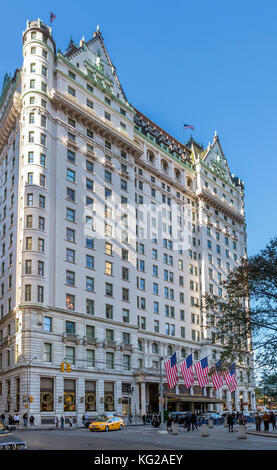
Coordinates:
column 171, row 371
column 188, row 126
column 52, row 17
column 216, row 375
column 201, row 369
column 230, row 378
column 187, row 371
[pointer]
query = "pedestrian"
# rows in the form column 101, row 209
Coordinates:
column 62, row 422
column 10, row 420
column 188, row 422
column 272, row 420
column 25, row 417
column 258, row 421
column 2, row 418
column 130, row 418
column 266, row 419
column 193, row 422
column 70, row 422
column 57, row 422
column 16, row 419
column 230, row 422
column 144, row 419
column 169, row 423
column 32, row 421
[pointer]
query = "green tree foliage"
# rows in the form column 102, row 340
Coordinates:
column 246, row 316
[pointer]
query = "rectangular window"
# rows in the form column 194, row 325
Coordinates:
column 90, row 358
column 70, row 302
column 89, row 262
column 71, row 156
column 71, row 91
column 90, row 306
column 90, row 284
column 47, row 357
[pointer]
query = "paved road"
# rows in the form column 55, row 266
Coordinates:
column 142, row 438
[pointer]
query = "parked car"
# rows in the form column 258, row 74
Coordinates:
column 181, row 415
column 10, row 442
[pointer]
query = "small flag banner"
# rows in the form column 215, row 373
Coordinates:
column 52, row 17
column 171, row 371
column 230, row 378
column 217, row 376
column 187, row 371
column 188, row 126
column 201, row 369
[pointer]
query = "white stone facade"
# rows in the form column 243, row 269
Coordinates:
column 80, row 171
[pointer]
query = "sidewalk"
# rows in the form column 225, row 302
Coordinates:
column 262, row 433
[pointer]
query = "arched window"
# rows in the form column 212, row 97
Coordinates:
column 189, row 182
column 151, row 157
column 164, row 165
column 177, row 174
column 183, row 352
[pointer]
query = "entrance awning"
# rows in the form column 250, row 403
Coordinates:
column 192, row 398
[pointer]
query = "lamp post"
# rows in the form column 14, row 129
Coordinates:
column 162, row 425
column 27, row 365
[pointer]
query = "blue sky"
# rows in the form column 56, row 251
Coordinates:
column 212, row 64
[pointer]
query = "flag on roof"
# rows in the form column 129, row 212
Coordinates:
column 52, row 17
column 188, row 126
column 217, row 375
column 230, row 378
column 187, row 371
column 201, row 369
column 171, row 371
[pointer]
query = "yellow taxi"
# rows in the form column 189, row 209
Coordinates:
column 111, row 423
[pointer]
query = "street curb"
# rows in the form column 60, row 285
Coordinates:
column 263, row 434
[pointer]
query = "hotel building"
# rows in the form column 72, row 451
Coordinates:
column 111, row 231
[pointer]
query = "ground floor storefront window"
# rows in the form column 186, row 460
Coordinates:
column 46, row 394
column 69, row 395
column 90, row 395
column 109, row 396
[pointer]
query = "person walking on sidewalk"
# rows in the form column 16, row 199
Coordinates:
column 230, row 422
column 57, row 422
column 16, row 419
column 62, row 422
column 258, row 421
column 272, row 420
column 266, row 419
column 3, row 418
column 193, row 422
column 169, row 423
column 25, row 420
column 32, row 421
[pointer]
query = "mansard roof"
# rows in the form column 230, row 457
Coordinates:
column 93, row 49
column 162, row 137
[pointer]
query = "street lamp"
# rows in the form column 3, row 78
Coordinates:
column 27, row 365
column 162, row 425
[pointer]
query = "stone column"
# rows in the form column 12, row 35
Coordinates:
column 245, row 399
column 237, row 401
column 143, row 399
column 228, row 400
column 219, row 406
column 80, row 400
